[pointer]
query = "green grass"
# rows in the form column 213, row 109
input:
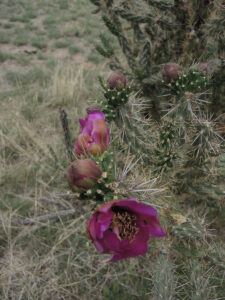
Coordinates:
column 74, row 49
column 30, row 14
column 50, row 20
column 42, row 56
column 62, row 44
column 53, row 32
column 34, row 85
column 30, row 27
column 4, row 56
column 23, row 59
column 64, row 4
column 8, row 25
column 33, row 75
column 94, row 58
column 51, row 64
column 4, row 37
column 22, row 19
column 39, row 43
column 21, row 40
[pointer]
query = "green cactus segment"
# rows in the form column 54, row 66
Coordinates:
column 164, row 280
column 113, row 100
column 218, row 88
column 193, row 229
column 190, row 81
column 165, row 151
column 112, row 27
column 105, row 48
column 116, row 98
column 133, row 132
column 206, row 142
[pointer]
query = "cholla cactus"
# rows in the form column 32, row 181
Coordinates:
column 174, row 67
column 148, row 37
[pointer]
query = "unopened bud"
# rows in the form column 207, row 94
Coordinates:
column 203, row 67
column 117, row 80
column 83, row 174
column 171, row 72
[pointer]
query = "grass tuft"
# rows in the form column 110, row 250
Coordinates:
column 39, row 43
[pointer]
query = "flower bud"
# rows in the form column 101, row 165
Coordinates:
column 203, row 67
column 117, row 80
column 94, row 136
column 171, row 72
column 83, row 174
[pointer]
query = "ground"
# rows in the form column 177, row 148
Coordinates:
column 47, row 61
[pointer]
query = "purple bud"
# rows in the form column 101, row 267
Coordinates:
column 171, row 72
column 204, row 68
column 83, row 174
column 117, row 80
column 94, row 136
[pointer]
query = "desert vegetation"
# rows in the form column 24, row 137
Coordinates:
column 155, row 69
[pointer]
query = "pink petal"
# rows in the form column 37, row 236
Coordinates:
column 95, row 114
column 99, row 223
column 152, row 223
column 98, row 246
column 136, row 207
column 132, row 249
column 106, row 207
column 154, row 226
column 100, row 133
column 110, row 242
column 82, row 123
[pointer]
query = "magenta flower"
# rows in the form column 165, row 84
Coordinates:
column 83, row 174
column 123, row 228
column 94, row 135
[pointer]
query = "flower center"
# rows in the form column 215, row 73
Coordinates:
column 124, row 225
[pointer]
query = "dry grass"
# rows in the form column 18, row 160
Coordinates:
column 52, row 260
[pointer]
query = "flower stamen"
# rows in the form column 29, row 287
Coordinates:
column 124, row 225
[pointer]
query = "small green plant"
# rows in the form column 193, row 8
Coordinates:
column 4, row 37
column 4, row 56
column 74, row 49
column 21, row 40
column 62, row 44
column 30, row 14
column 8, row 25
column 39, row 43
column 50, row 20
column 29, row 26
column 53, row 32
column 22, row 19
column 63, row 4
column 33, row 75
column 94, row 58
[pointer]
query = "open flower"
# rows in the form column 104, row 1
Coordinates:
column 123, row 228
column 94, row 135
column 83, row 174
